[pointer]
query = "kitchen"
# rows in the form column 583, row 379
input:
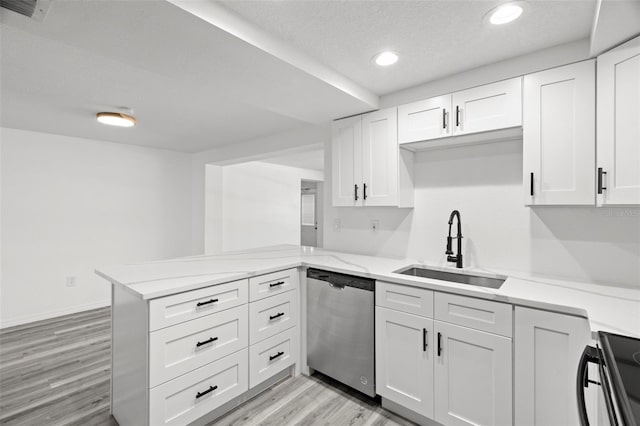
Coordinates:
column 540, row 209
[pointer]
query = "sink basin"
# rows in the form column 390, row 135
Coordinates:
column 452, row 277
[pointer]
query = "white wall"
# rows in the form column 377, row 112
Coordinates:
column 70, row 205
column 260, row 204
column 484, row 182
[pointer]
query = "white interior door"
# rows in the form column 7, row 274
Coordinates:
column 346, row 162
column 404, row 360
column 424, row 120
column 559, row 135
column 489, row 107
column 380, row 158
column 308, row 218
column 619, row 124
column 473, row 377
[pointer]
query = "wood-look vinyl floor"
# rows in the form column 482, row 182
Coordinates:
column 56, row 372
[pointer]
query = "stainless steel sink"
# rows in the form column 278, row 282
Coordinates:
column 491, row 282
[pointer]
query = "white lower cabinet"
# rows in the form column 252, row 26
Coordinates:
column 473, row 377
column 194, row 394
column 272, row 356
column 547, row 351
column 404, row 359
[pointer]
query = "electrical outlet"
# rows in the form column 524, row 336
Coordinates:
column 71, row 281
column 375, row 225
column 337, row 224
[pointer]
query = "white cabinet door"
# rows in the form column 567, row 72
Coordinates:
column 380, row 158
column 346, row 162
column 489, row 107
column 424, row 120
column 473, row 378
column 547, row 350
column 559, row 135
column 404, row 360
column 619, row 124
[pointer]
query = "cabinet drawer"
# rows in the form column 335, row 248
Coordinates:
column 403, row 298
column 183, row 347
column 181, row 401
column 271, row 284
column 480, row 314
column 272, row 315
column 181, row 307
column 272, row 356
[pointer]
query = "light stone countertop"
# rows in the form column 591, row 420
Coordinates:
column 608, row 308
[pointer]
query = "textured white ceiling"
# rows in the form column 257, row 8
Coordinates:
column 192, row 85
column 433, row 38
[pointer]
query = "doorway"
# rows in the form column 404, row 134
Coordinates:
column 311, row 213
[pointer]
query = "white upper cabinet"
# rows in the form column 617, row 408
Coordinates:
column 367, row 167
column 619, row 125
column 559, row 135
column 490, row 107
column 424, row 120
column 380, row 158
column 346, row 154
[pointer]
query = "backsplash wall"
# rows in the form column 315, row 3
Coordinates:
column 484, row 182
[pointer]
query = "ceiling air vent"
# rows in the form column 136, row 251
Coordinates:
column 35, row 9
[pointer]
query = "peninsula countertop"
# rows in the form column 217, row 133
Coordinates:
column 608, row 308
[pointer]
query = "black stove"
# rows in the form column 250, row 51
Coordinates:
column 622, row 360
column 618, row 360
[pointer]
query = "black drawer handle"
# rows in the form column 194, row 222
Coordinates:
column 444, row 118
column 278, row 355
column 276, row 284
column 439, row 343
column 355, row 193
column 207, row 302
column 425, row 345
column 201, row 394
column 278, row 315
column 206, row 342
column 457, row 116
column 364, row 191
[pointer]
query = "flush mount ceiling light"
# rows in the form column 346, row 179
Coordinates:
column 505, row 13
column 386, row 58
column 116, row 119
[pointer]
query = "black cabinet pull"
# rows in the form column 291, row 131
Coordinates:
column 444, row 118
column 201, row 394
column 278, row 355
column 355, row 193
column 600, row 180
column 457, row 116
column 276, row 284
column 531, row 184
column 207, row 302
column 439, row 344
column 206, row 342
column 278, row 315
column 364, row 191
column 425, row 345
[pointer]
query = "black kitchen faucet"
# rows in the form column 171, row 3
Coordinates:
column 457, row 258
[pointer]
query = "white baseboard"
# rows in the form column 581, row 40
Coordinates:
column 12, row 322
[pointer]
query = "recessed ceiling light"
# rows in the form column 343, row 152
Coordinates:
column 506, row 13
column 116, row 119
column 385, row 59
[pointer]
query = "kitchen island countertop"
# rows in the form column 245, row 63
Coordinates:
column 608, row 308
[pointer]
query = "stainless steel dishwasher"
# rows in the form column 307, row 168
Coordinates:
column 340, row 328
